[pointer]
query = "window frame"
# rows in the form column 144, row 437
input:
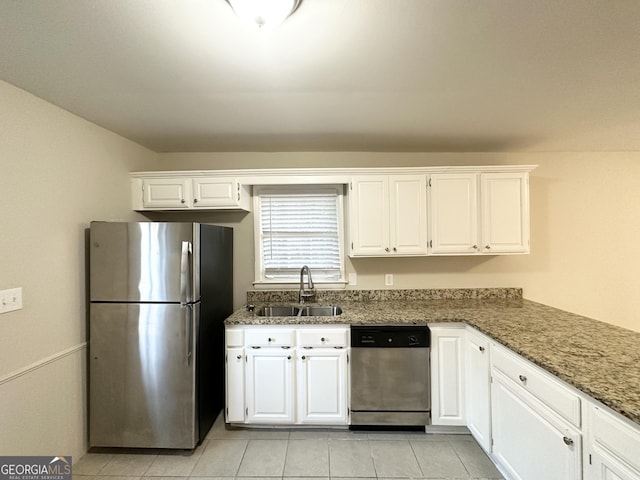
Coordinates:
column 260, row 280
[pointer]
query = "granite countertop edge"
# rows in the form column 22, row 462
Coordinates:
column 599, row 359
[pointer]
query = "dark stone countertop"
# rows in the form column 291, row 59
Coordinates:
column 597, row 358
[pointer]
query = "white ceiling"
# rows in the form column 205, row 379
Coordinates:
column 360, row 75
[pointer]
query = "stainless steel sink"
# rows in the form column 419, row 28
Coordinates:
column 303, row 311
column 320, row 311
column 278, row 311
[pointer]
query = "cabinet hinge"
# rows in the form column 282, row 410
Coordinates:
column 351, row 245
column 429, row 184
column 430, row 243
column 590, row 460
column 246, row 411
column 350, row 185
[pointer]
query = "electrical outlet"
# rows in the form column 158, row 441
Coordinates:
column 10, row 300
column 353, row 278
column 388, row 279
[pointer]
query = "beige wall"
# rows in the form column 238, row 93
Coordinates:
column 57, row 173
column 584, row 224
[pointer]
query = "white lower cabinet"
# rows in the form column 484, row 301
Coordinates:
column 612, row 446
column 284, row 376
column 322, row 386
column 269, row 385
column 478, row 387
column 529, row 441
column 235, row 410
column 447, row 375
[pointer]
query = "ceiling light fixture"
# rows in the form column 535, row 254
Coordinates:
column 264, row 13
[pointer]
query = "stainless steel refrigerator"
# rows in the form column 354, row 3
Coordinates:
column 159, row 294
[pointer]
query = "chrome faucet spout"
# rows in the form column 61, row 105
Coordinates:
column 310, row 292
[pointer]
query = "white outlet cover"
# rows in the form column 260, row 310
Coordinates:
column 10, row 300
column 388, row 279
column 353, row 279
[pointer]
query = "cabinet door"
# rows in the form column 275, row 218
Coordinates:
column 322, row 386
column 215, row 192
column 453, row 213
column 164, row 193
column 605, row 467
column 369, row 215
column 478, row 388
column 269, row 385
column 235, row 384
column 530, row 442
column 408, row 210
column 505, row 212
column 612, row 447
column 447, row 376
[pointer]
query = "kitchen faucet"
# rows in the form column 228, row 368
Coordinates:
column 306, row 293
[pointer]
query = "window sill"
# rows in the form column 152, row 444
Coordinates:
column 266, row 285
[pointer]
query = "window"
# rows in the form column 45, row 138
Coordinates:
column 296, row 226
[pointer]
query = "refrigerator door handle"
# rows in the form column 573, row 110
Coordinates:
column 185, row 280
column 189, row 332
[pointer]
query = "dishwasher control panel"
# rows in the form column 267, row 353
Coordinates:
column 390, row 337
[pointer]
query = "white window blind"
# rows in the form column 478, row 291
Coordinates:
column 300, row 226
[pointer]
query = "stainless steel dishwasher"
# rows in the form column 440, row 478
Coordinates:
column 390, row 377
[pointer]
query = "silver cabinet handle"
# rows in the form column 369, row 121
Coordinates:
column 195, row 200
column 522, row 378
column 270, row 339
column 395, row 249
column 386, row 249
column 304, row 357
column 182, row 200
column 323, row 339
column 567, row 440
column 239, row 357
column 481, row 349
column 288, row 357
column 487, row 247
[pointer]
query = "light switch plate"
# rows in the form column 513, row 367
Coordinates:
column 10, row 300
column 388, row 279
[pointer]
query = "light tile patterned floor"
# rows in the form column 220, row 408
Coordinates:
column 268, row 454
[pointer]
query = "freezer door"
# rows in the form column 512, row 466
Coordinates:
column 143, row 262
column 142, row 375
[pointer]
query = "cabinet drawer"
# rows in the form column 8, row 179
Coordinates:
column 234, row 337
column 542, row 385
column 269, row 337
column 330, row 337
column 615, row 436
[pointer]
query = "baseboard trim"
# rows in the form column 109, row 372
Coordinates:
column 43, row 363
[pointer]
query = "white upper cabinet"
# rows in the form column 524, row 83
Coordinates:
column 453, row 213
column 505, row 212
column 479, row 213
column 184, row 193
column 165, row 193
column 387, row 215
